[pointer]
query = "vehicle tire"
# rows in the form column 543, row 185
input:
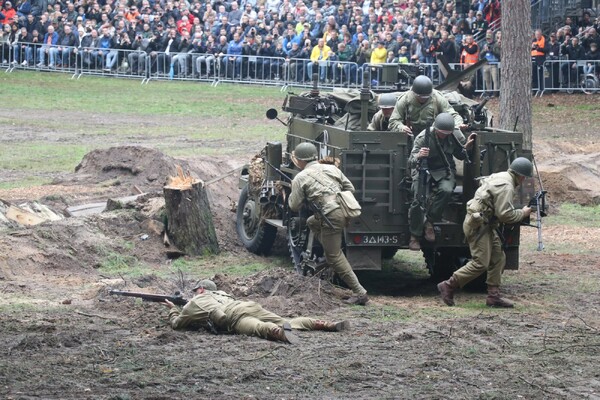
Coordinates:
column 443, row 262
column 590, row 84
column 387, row 253
column 256, row 235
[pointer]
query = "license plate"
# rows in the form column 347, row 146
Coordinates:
column 374, row 240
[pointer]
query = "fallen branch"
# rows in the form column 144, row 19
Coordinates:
column 535, row 385
column 566, row 348
column 91, row 315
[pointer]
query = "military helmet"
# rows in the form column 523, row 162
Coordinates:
column 387, row 100
column 206, row 284
column 422, row 86
column 306, row 152
column 522, row 166
column 444, row 123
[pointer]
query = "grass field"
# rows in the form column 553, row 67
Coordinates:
column 179, row 118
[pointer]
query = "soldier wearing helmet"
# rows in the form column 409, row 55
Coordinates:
column 320, row 183
column 216, row 308
column 381, row 119
column 439, row 146
column 490, row 206
column 417, row 109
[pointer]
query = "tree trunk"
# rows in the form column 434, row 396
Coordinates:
column 515, row 90
column 189, row 220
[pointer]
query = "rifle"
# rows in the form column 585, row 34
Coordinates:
column 317, row 210
column 176, row 299
column 423, row 168
column 538, row 204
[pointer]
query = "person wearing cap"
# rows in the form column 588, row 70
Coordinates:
column 480, row 25
column 439, row 145
column 319, row 183
column 491, row 205
column 381, row 119
column 221, row 312
column 9, row 13
column 490, row 52
column 417, row 108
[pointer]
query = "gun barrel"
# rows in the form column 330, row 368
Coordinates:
column 157, row 298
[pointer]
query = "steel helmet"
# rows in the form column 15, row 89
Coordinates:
column 422, row 86
column 521, row 166
column 387, row 100
column 306, row 152
column 444, row 123
column 206, row 284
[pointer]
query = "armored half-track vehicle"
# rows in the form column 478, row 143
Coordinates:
column 376, row 164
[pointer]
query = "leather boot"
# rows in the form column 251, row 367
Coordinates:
column 446, row 289
column 357, row 300
column 283, row 334
column 414, row 244
column 331, row 326
column 494, row 299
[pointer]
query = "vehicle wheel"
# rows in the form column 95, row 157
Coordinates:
column 590, row 84
column 443, row 262
column 256, row 235
column 387, row 253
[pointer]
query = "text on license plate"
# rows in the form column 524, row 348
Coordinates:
column 376, row 239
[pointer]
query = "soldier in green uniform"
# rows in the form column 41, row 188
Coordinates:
column 381, row 119
column 320, row 183
column 438, row 145
column 491, row 205
column 216, row 307
column 418, row 107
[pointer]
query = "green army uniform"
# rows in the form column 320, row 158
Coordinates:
column 228, row 314
column 379, row 122
column 320, row 183
column 442, row 180
column 491, row 205
column 420, row 116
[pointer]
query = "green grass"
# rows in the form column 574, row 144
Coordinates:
column 179, row 118
column 42, row 157
column 43, row 91
column 576, row 215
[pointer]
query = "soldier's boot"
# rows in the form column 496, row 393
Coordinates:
column 446, row 289
column 429, row 232
column 357, row 300
column 283, row 334
column 331, row 326
column 414, row 244
column 494, row 299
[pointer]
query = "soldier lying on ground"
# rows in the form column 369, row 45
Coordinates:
column 210, row 306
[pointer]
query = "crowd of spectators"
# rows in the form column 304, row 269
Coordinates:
column 266, row 38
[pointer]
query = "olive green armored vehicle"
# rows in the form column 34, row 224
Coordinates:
column 376, row 164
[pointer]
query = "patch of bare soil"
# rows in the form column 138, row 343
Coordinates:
column 63, row 336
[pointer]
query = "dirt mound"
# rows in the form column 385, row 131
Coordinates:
column 128, row 164
column 285, row 292
column 575, row 179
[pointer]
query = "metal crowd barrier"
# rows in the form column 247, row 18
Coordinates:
column 553, row 76
column 569, row 76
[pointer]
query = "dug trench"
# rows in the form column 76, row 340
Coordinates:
column 64, row 336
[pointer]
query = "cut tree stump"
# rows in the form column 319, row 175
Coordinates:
column 189, row 219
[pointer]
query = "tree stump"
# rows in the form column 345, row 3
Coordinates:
column 189, row 219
